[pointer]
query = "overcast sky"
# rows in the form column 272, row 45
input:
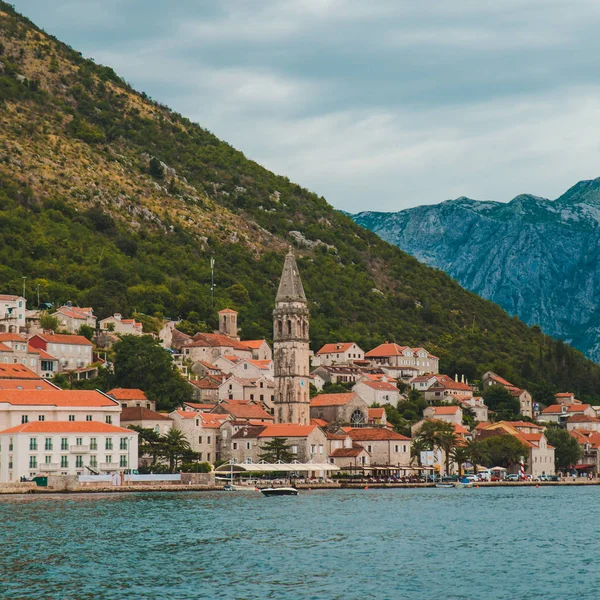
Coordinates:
column 374, row 104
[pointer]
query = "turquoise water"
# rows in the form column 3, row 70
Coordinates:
column 488, row 544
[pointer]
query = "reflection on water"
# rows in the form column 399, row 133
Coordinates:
column 399, row 544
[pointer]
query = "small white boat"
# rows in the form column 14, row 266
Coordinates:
column 444, row 485
column 463, row 484
column 279, row 491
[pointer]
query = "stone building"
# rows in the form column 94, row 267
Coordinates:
column 342, row 409
column 291, row 347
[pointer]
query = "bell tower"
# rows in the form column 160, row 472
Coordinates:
column 290, row 345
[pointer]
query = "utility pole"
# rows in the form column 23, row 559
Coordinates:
column 24, row 278
column 38, row 294
column 212, row 282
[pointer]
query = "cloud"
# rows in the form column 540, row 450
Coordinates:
column 377, row 105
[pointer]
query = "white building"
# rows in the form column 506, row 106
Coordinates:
column 65, row 448
column 72, row 351
column 403, row 361
column 118, row 324
column 380, row 392
column 12, row 313
column 251, row 368
column 71, row 318
column 341, row 353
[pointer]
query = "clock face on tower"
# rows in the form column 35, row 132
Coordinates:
column 302, row 383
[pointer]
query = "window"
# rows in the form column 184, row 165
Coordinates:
column 71, row 417
column 248, row 445
column 33, row 462
column 235, row 446
column 197, row 422
column 93, row 461
column 108, row 459
column 24, row 419
column 64, row 444
column 208, row 439
column 294, row 449
column 41, row 418
column 47, row 459
column 199, row 439
column 93, row 444
column 88, row 417
column 369, row 448
column 321, row 450
column 78, row 462
column 123, row 444
column 64, row 462
column 48, row 444
column 79, row 441
column 313, row 449
column 33, row 443
column 109, row 420
column 123, row 460
column 208, row 457
column 108, row 444
column 396, row 448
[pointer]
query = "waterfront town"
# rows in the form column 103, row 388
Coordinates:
column 339, row 412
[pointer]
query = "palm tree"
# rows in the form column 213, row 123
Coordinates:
column 460, row 455
column 439, row 435
column 419, row 445
column 174, row 445
column 447, row 442
column 477, row 454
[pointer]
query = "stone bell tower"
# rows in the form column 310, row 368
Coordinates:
column 290, row 345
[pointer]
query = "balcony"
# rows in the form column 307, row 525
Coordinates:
column 48, row 467
column 79, row 449
column 110, row 467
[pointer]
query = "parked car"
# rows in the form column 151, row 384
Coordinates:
column 473, row 478
column 549, row 478
column 513, row 477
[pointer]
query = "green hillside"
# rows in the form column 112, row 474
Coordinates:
column 111, row 200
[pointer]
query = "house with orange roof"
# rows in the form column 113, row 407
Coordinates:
column 335, row 374
column 202, row 430
column 477, row 406
column 140, row 416
column 450, row 414
column 564, row 398
column 561, row 413
column 250, row 368
column 131, row 397
column 206, row 389
column 117, row 324
column 66, row 448
column 260, row 349
column 340, row 353
column 589, row 442
column 385, row 447
column 377, row 392
column 403, row 362
column 201, row 368
column 350, row 459
column 73, row 352
column 377, row 416
column 209, row 347
column 26, row 405
column 12, row 313
column 446, row 389
column 71, row 318
column 14, row 348
column 490, row 378
column 243, row 410
column 341, row 409
column 259, row 389
column 583, row 421
column 540, row 459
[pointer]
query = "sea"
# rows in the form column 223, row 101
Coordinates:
column 418, row 544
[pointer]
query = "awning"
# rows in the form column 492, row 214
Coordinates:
column 497, row 469
column 262, row 467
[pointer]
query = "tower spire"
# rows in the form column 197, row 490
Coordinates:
column 290, row 285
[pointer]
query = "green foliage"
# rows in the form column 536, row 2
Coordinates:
column 477, row 453
column 196, row 467
column 174, row 447
column 498, row 399
column 504, row 450
column 48, row 321
column 277, row 450
column 156, row 169
column 141, row 362
column 87, row 332
column 567, row 451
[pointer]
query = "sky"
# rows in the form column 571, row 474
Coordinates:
column 373, row 104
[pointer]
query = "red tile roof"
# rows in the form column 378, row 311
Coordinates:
column 335, row 348
column 216, row 340
column 140, row 413
column 242, row 409
column 56, row 397
column 376, row 413
column 200, row 407
column 204, row 384
column 319, row 422
column 348, row 452
column 68, row 427
column 228, row 311
column 446, row 382
column 380, row 385
column 384, row 350
column 444, row 410
column 4, row 348
column 500, row 380
column 11, row 337
column 254, row 344
column 26, row 384
column 332, row 399
column 558, row 408
column 188, row 414
column 127, row 394
column 582, row 419
column 287, row 430
column 15, row 371
column 74, row 313
column 42, row 354
column 59, row 338
column 365, row 434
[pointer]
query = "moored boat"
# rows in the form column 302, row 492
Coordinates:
column 444, row 485
column 279, row 491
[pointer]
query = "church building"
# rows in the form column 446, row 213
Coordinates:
column 291, row 347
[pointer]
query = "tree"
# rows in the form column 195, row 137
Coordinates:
column 156, row 168
column 174, row 447
column 567, row 451
column 460, row 455
column 447, row 442
column 419, row 445
column 87, row 332
column 49, row 322
column 149, row 442
column 438, row 435
column 477, row 454
column 141, row 362
column 502, row 402
column 505, row 450
column 277, row 450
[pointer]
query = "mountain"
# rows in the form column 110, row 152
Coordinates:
column 111, row 200
column 537, row 258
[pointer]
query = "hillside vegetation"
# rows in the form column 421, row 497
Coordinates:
column 111, row 200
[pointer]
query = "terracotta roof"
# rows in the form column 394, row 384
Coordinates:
column 380, row 385
column 231, row 358
column 42, row 354
column 500, row 380
column 335, row 348
column 254, row 344
column 140, row 413
column 261, row 364
column 59, row 338
column 204, row 384
column 564, row 395
column 4, row 348
column 8, row 297
column 200, row 407
column 525, row 424
column 558, row 408
column 187, row 414
column 228, row 311
column 446, row 382
column 212, row 420
column 348, row 452
column 384, row 350
column 460, row 429
column 68, row 427
column 319, row 422
column 251, row 431
column 55, row 397
column 582, row 419
column 287, row 430
column 444, row 410
column 16, row 371
column 74, row 313
column 208, row 365
column 11, row 337
column 216, row 340
column 365, row 434
column 242, row 409
column 376, row 413
column 127, row 394
column 26, row 384
column 332, row 399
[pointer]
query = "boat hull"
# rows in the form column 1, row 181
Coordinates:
column 279, row 491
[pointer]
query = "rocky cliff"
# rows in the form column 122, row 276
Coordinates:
column 538, row 258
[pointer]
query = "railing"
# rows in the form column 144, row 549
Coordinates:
column 154, row 477
column 110, row 467
column 79, row 449
column 46, row 467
